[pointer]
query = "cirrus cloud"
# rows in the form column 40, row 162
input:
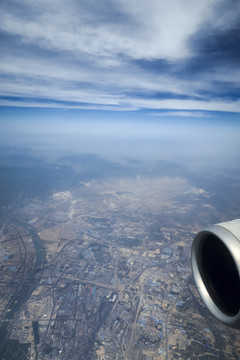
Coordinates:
column 124, row 55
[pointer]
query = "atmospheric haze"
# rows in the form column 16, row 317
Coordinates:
column 194, row 142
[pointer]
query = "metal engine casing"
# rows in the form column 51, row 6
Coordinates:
column 216, row 270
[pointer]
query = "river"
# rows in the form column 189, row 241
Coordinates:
column 23, row 292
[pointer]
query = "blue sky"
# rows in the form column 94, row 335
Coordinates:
column 146, row 78
column 180, row 56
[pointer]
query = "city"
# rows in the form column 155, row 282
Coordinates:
column 103, row 272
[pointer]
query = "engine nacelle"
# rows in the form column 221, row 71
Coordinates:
column 216, row 270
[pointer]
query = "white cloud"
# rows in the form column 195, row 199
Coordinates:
column 86, row 52
column 148, row 29
column 166, row 26
column 214, row 105
column 191, row 114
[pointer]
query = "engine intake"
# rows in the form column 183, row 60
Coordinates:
column 216, row 270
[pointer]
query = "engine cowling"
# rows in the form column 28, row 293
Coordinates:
column 216, row 270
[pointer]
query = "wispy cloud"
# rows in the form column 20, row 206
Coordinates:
column 191, row 114
column 119, row 55
column 139, row 29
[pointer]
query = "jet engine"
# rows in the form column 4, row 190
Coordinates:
column 216, row 270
